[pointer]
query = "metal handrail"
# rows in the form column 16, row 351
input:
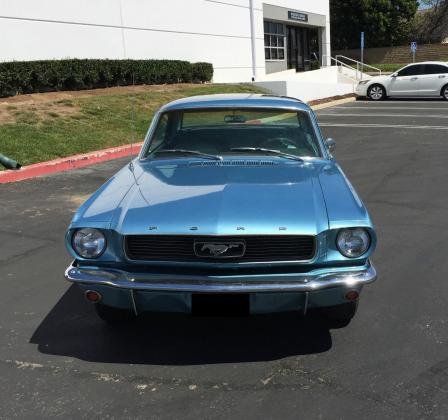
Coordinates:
column 359, row 72
column 358, row 63
column 342, row 64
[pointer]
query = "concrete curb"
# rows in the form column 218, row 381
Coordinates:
column 333, row 103
column 68, row 163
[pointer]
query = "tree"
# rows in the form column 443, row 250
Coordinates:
column 431, row 23
column 385, row 22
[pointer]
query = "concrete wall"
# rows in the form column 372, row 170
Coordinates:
column 194, row 30
column 307, row 91
column 310, row 85
column 276, row 66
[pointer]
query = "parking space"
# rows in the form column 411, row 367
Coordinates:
column 58, row 359
column 391, row 114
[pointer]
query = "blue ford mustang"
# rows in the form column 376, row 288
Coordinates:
column 231, row 197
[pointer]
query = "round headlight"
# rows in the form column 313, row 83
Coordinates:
column 353, row 243
column 89, row 243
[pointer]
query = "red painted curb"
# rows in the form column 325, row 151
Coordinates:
column 68, row 163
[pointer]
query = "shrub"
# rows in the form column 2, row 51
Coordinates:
column 314, row 65
column 202, row 72
column 76, row 74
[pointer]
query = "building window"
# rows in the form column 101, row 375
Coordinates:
column 274, row 41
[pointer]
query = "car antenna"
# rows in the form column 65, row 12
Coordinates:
column 131, row 108
column 130, row 97
column 132, row 117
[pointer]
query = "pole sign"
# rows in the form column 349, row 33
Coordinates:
column 362, row 54
column 413, row 50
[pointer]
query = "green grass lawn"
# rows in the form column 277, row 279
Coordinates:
column 391, row 67
column 66, row 127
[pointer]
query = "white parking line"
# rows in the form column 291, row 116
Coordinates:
column 401, row 102
column 401, row 126
column 329, row 114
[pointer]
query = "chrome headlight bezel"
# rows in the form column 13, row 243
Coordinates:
column 85, row 249
column 361, row 242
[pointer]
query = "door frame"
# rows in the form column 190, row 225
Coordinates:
column 298, row 58
column 293, row 53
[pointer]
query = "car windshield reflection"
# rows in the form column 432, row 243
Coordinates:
column 214, row 133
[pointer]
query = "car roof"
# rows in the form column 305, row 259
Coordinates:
column 443, row 63
column 237, row 100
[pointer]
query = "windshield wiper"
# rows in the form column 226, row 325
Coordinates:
column 263, row 150
column 188, row 152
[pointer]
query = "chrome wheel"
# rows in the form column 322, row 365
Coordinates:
column 376, row 93
column 445, row 93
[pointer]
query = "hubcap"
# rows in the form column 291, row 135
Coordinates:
column 377, row 93
column 445, row 93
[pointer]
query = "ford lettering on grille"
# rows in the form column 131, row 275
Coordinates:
column 219, row 249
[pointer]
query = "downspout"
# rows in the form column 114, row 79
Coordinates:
column 253, row 40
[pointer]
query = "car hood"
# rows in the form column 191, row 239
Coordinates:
column 224, row 198
column 209, row 198
column 377, row 79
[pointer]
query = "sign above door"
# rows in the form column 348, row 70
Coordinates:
column 297, row 16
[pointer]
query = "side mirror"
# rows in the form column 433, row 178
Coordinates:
column 331, row 144
column 394, row 75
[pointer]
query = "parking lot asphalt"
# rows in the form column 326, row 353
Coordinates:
column 58, row 359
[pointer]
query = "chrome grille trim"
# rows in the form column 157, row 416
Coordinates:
column 259, row 248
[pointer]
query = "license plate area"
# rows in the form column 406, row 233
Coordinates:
column 220, row 304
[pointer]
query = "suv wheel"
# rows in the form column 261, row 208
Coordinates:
column 445, row 92
column 376, row 93
column 114, row 316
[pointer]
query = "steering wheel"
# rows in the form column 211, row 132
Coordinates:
column 279, row 143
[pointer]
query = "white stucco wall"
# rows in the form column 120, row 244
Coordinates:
column 194, row 30
column 307, row 91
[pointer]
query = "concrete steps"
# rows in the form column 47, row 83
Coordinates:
column 311, row 85
column 399, row 55
column 424, row 53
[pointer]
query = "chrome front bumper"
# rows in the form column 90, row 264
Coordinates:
column 347, row 277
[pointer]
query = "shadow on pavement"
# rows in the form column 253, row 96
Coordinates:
column 73, row 329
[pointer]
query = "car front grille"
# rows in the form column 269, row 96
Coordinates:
column 258, row 248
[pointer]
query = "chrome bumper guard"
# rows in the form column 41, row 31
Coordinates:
column 353, row 277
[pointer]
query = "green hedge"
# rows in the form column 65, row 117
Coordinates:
column 202, row 72
column 75, row 74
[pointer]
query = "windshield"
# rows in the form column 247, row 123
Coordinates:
column 220, row 132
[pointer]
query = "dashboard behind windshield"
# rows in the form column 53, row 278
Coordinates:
column 220, row 131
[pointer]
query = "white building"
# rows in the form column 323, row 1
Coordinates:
column 241, row 38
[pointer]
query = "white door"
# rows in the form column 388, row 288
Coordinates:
column 408, row 81
column 435, row 77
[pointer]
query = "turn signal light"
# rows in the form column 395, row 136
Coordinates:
column 352, row 295
column 92, row 296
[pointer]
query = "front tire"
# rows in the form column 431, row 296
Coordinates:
column 114, row 316
column 444, row 92
column 376, row 93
